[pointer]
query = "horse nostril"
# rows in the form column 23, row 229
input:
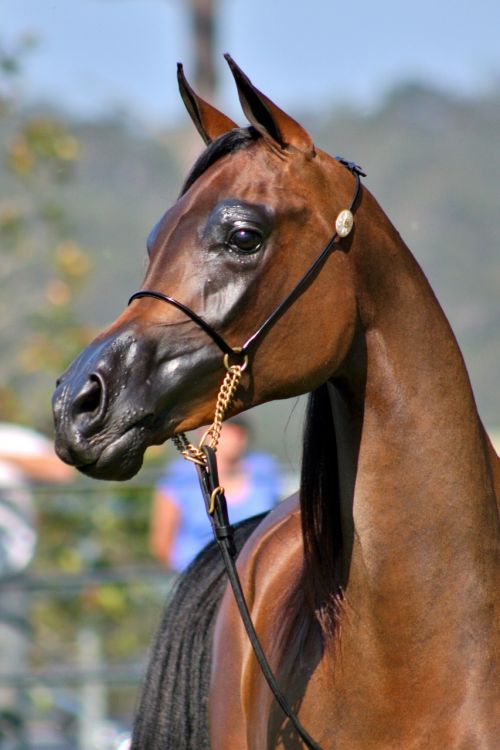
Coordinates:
column 90, row 400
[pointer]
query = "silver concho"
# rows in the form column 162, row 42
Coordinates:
column 344, row 223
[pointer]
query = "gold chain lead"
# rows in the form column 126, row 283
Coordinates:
column 224, row 400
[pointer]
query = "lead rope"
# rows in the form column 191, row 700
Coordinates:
column 205, row 460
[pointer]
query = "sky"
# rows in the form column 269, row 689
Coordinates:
column 95, row 56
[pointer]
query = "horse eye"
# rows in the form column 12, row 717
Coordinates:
column 245, row 240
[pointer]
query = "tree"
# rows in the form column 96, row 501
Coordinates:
column 42, row 265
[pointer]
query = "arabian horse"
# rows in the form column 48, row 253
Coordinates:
column 373, row 591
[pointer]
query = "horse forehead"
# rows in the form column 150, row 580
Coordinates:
column 243, row 172
column 256, row 175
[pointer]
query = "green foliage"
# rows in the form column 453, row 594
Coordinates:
column 93, row 538
column 42, row 265
column 94, row 551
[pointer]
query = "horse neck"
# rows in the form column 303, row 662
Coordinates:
column 415, row 486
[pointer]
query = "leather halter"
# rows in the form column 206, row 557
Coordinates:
column 280, row 309
column 213, row 494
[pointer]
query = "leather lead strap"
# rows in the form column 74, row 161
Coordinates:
column 216, row 507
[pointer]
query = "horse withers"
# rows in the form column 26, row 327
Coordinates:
column 374, row 593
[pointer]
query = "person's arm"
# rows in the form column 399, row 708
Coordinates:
column 165, row 522
column 46, row 467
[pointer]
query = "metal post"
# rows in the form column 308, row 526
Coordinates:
column 93, row 695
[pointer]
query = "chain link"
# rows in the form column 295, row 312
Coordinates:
column 224, row 400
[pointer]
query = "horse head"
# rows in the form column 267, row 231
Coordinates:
column 248, row 229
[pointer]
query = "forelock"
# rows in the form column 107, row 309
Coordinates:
column 227, row 143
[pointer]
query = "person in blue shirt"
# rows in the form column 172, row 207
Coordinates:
column 179, row 524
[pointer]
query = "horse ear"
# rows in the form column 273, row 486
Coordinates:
column 266, row 117
column 209, row 122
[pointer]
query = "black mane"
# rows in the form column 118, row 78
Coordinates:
column 226, row 143
column 320, row 511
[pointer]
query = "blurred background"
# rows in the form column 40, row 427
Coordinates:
column 94, row 144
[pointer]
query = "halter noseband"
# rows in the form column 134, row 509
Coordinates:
column 343, row 226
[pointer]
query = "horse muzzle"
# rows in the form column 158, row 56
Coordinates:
column 98, row 428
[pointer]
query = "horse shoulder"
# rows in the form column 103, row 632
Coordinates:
column 269, row 563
